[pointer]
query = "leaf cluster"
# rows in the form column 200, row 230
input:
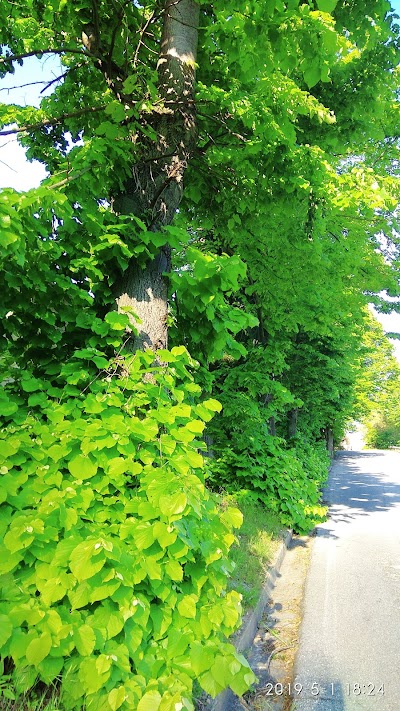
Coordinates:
column 114, row 556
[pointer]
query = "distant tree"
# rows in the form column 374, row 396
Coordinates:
column 378, row 389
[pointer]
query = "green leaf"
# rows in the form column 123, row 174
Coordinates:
column 210, row 684
column 165, row 535
column 152, row 568
column 106, row 618
column 196, row 426
column 58, row 451
column 7, row 407
column 31, row 384
column 38, row 649
column 201, row 658
column 130, row 83
column 85, row 640
column 80, row 596
column 103, row 663
column 312, row 74
column 93, row 405
column 173, row 504
column 100, row 362
column 187, row 606
column 178, row 643
column 91, row 678
column 106, row 590
column 174, row 570
column 243, row 677
column 194, row 458
column 117, row 466
column 143, row 535
column 116, row 110
column 212, row 405
column 116, row 697
column 149, row 702
column 326, row 5
column 82, row 467
column 37, row 399
column 182, row 434
column 86, row 560
column 52, row 591
column 6, row 628
column 233, row 517
column 118, row 321
column 50, row 668
column 108, row 129
column 25, row 679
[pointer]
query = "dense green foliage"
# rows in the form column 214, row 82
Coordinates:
column 115, row 554
column 378, row 390
column 247, row 456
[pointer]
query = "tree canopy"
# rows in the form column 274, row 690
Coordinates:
column 220, row 206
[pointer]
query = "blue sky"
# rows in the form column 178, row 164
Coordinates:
column 15, row 171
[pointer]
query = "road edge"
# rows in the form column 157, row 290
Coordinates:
column 245, row 638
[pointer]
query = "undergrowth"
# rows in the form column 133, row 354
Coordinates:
column 257, row 543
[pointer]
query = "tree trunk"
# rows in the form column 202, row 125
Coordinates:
column 329, row 441
column 272, row 426
column 155, row 190
column 292, row 424
column 271, row 422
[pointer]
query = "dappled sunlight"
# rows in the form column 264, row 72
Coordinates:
column 372, row 488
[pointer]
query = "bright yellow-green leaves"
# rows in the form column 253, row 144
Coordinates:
column 114, row 554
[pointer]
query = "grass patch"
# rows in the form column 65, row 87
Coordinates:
column 41, row 697
column 258, row 540
column 47, row 701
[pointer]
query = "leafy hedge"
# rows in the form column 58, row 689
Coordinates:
column 287, row 479
column 113, row 558
column 277, row 477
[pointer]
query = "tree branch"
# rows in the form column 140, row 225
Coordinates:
column 52, row 122
column 36, row 52
column 68, row 179
column 22, row 86
column 8, row 166
column 141, row 35
column 61, row 76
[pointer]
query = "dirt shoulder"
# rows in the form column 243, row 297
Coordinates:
column 275, row 646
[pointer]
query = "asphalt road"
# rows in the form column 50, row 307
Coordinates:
column 349, row 653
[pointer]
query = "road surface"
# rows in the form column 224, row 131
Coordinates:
column 349, row 653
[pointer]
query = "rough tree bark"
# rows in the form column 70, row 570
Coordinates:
column 155, row 190
column 330, row 444
column 271, row 422
column 292, row 422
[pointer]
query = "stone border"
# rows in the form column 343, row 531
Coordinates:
column 244, row 640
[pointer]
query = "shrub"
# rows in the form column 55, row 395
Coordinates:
column 114, row 555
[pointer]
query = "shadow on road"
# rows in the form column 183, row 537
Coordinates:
column 356, row 489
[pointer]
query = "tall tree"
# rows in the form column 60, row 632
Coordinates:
column 155, row 190
column 114, row 552
column 113, row 52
